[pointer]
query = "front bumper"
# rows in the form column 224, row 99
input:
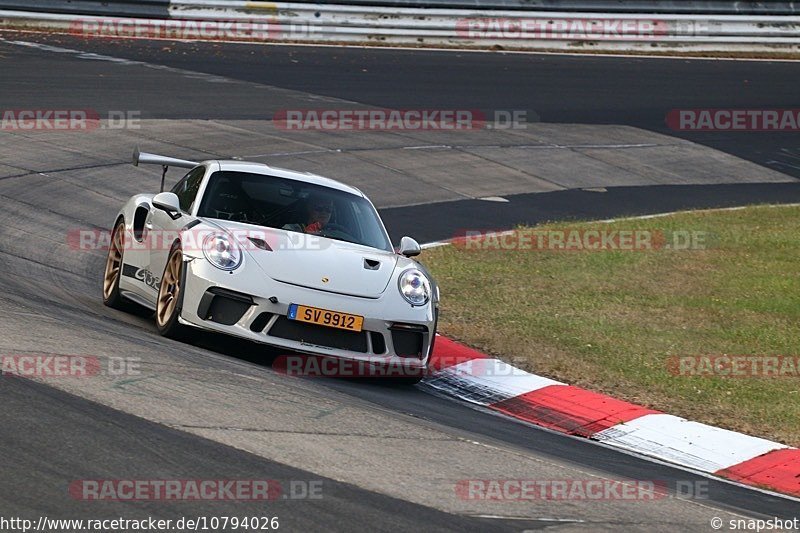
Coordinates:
column 393, row 332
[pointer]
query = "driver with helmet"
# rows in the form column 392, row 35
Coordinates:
column 318, row 210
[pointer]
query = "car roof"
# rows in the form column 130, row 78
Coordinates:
column 266, row 170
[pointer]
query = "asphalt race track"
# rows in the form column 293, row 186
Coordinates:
column 585, row 90
column 388, row 457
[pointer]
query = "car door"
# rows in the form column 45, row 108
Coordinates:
column 165, row 228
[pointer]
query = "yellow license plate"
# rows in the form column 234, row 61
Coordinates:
column 324, row 317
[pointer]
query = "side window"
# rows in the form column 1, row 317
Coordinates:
column 187, row 188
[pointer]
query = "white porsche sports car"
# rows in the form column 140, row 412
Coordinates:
column 285, row 258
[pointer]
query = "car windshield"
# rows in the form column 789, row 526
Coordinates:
column 293, row 205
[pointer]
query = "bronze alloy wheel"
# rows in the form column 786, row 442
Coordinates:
column 111, row 296
column 170, row 290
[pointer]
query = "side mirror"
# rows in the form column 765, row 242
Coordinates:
column 167, row 201
column 409, row 247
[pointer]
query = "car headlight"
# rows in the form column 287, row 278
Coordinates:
column 222, row 252
column 414, row 287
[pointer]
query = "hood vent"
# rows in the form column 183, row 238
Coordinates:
column 260, row 243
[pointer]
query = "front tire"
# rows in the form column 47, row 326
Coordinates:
column 113, row 271
column 170, row 296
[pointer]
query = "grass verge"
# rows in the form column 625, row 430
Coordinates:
column 618, row 321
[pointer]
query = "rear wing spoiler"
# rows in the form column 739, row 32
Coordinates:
column 165, row 162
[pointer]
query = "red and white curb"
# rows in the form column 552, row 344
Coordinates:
column 469, row 375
